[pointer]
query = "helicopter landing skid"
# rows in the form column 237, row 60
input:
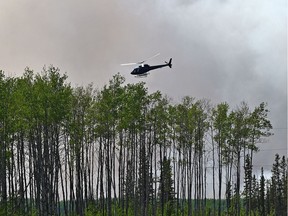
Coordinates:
column 142, row 75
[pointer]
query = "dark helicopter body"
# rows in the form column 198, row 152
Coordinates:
column 143, row 69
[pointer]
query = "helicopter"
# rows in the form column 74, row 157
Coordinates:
column 142, row 70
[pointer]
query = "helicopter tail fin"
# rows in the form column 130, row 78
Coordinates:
column 169, row 63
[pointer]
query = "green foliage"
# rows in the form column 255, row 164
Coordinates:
column 121, row 150
column 166, row 190
column 247, row 184
column 277, row 189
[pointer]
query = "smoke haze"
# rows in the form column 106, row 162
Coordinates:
column 222, row 50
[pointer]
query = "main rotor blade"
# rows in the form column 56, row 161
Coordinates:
column 141, row 62
column 150, row 58
column 127, row 64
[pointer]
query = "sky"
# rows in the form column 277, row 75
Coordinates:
column 223, row 50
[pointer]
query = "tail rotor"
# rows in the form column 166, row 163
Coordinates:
column 169, row 63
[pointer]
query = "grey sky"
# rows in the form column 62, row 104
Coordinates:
column 222, row 50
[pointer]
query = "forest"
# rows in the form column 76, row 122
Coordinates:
column 123, row 151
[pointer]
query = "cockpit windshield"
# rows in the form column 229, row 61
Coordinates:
column 135, row 71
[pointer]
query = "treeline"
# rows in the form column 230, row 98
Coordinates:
column 120, row 150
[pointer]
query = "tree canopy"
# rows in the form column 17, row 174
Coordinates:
column 121, row 150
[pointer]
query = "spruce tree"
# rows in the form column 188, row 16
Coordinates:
column 247, row 184
column 276, row 184
column 283, row 189
column 262, row 208
column 166, row 188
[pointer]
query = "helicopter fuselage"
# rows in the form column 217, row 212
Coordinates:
column 143, row 69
